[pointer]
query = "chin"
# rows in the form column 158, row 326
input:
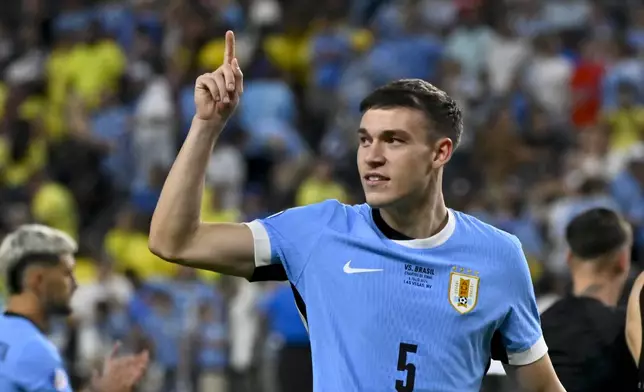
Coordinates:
column 379, row 200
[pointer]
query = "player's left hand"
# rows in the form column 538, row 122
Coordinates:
column 121, row 374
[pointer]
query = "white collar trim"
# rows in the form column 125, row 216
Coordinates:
column 437, row 239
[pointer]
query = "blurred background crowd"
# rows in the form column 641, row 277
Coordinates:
column 96, row 97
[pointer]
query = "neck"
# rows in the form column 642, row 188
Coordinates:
column 28, row 307
column 418, row 220
column 603, row 288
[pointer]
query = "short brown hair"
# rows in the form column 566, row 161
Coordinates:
column 439, row 108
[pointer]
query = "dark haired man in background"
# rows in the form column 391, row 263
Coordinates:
column 585, row 332
column 38, row 265
column 389, row 289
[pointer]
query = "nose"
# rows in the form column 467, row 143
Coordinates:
column 374, row 156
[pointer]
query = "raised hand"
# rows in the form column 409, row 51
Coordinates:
column 217, row 93
column 120, row 374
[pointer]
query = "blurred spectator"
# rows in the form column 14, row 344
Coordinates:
column 153, row 126
column 53, row 204
column 209, row 342
column 294, row 366
column 469, row 42
column 506, row 54
column 164, row 329
column 320, row 186
column 625, row 123
column 23, row 153
column 586, row 85
column 625, row 69
column 244, row 334
column 548, row 76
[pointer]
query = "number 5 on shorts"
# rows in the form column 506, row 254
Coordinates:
column 405, row 365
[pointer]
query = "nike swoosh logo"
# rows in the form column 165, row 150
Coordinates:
column 349, row 270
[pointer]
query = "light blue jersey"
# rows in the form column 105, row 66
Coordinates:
column 409, row 315
column 29, row 362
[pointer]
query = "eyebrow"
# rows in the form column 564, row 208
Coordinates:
column 386, row 132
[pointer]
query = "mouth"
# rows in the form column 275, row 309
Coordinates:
column 373, row 179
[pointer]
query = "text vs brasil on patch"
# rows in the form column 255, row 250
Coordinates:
column 463, row 289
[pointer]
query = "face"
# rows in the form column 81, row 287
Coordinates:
column 58, row 285
column 396, row 157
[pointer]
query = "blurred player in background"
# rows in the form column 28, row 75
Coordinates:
column 37, row 263
column 399, row 294
column 585, row 331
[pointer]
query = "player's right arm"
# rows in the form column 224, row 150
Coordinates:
column 177, row 233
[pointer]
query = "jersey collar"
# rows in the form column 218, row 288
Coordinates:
column 22, row 316
column 417, row 243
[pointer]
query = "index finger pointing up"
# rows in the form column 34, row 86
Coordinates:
column 229, row 52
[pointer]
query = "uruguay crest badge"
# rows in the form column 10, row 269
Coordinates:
column 463, row 289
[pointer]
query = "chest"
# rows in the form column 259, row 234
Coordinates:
column 378, row 285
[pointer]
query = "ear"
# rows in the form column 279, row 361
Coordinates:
column 33, row 277
column 443, row 149
column 623, row 264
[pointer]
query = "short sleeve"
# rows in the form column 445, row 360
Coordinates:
column 289, row 237
column 38, row 370
column 520, row 333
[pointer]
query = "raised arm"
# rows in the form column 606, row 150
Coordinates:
column 177, row 233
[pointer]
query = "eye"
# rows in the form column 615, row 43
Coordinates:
column 364, row 141
column 395, row 140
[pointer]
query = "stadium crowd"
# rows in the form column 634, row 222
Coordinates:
column 97, row 96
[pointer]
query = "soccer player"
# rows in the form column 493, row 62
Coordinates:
column 585, row 331
column 400, row 293
column 37, row 262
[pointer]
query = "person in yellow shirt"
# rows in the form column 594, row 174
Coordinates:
column 54, row 205
column 289, row 50
column 93, row 65
column 625, row 125
column 22, row 154
column 320, row 186
column 127, row 246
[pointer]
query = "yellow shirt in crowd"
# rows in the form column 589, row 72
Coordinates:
column 54, row 205
column 129, row 250
column 626, row 127
column 17, row 173
column 85, row 70
column 314, row 191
